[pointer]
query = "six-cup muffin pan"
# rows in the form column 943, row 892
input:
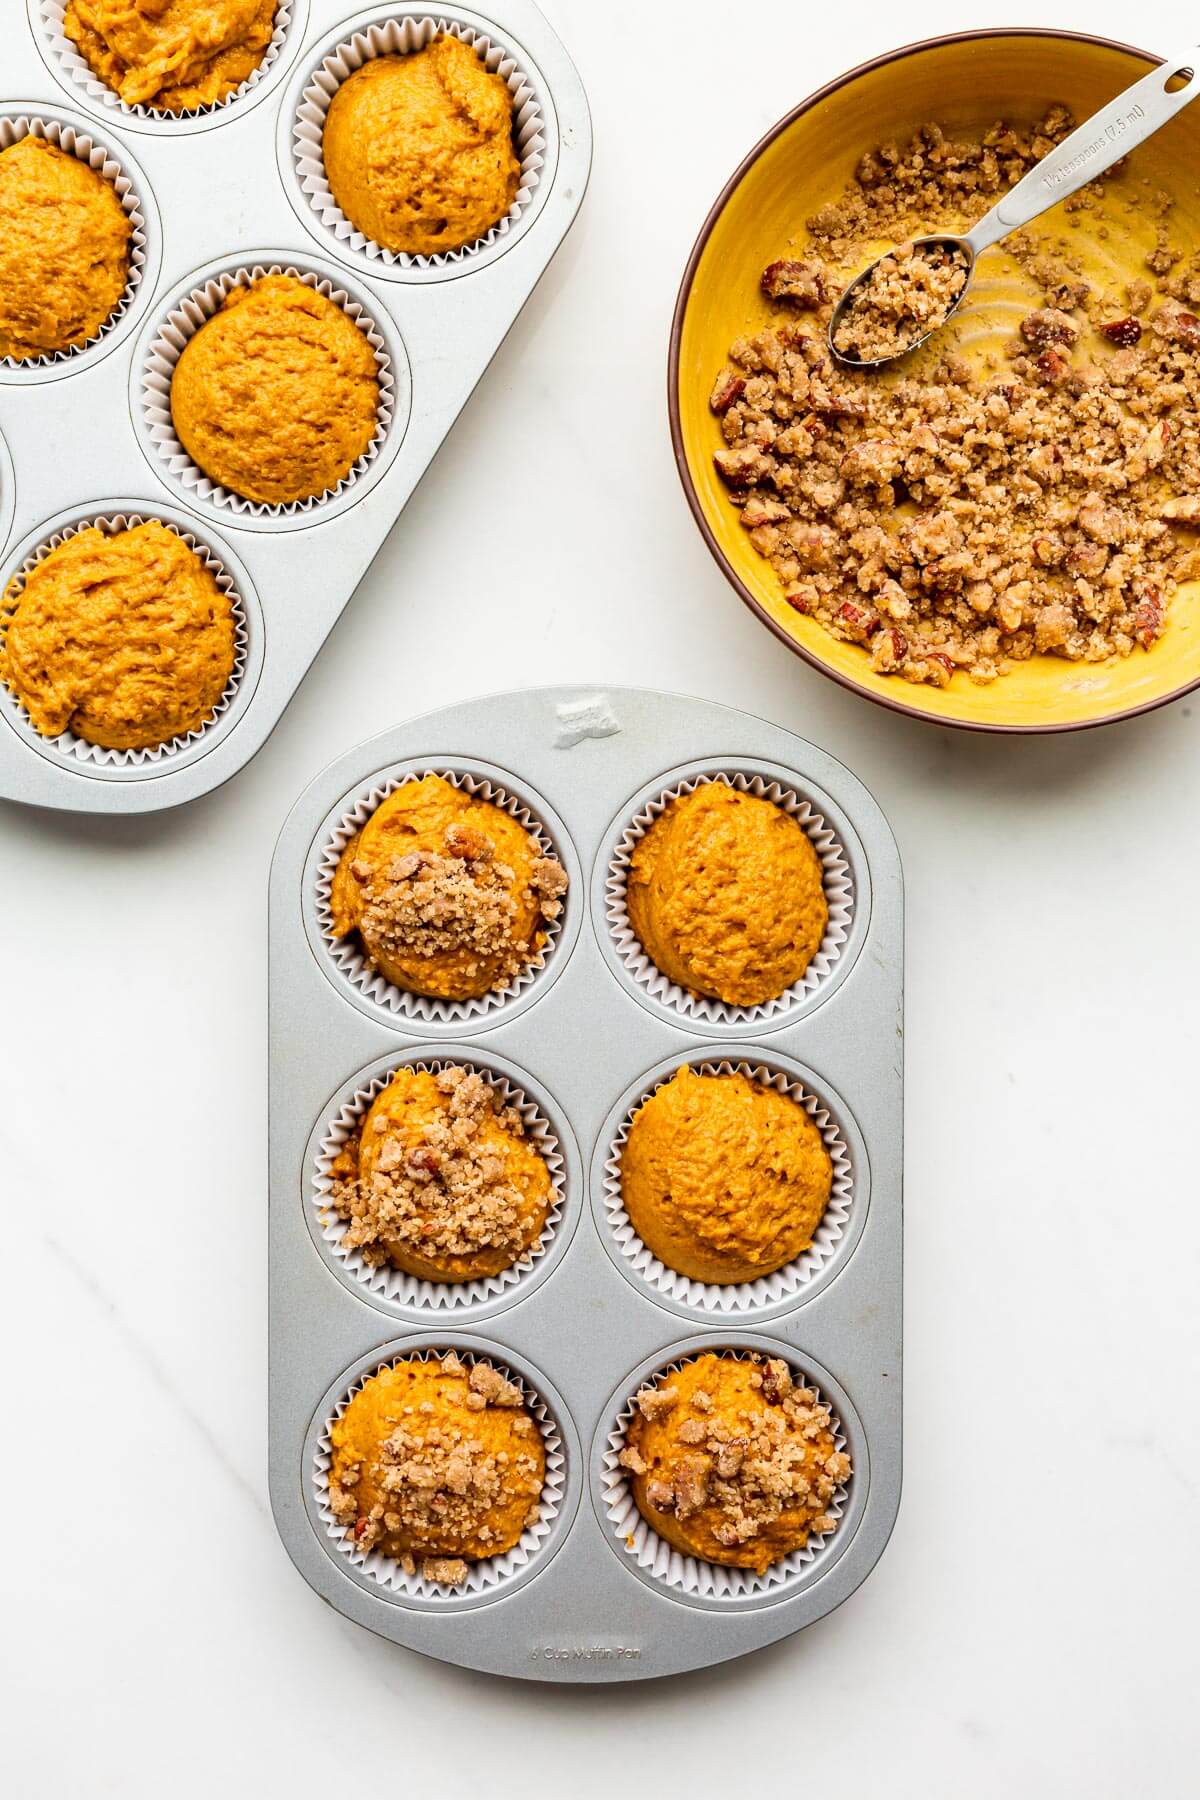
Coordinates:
column 590, row 1593
column 217, row 196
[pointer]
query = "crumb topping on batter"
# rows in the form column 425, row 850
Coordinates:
column 735, row 1464
column 450, row 1194
column 439, row 1480
column 420, row 902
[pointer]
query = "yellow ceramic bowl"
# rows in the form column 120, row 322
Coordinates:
column 965, row 82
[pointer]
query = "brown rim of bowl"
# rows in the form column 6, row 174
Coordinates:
column 681, row 464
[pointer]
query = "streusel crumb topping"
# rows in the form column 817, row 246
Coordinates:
column 963, row 515
column 449, row 1192
column 422, row 903
column 908, row 293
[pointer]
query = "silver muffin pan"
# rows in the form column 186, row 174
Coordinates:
column 223, row 190
column 582, row 1326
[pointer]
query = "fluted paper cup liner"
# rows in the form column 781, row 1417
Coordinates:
column 67, row 744
column 401, row 37
column 348, row 955
column 688, row 1574
column 105, row 162
column 490, row 1573
column 182, row 323
column 839, row 895
column 50, row 15
column 787, row 1283
column 411, row 1290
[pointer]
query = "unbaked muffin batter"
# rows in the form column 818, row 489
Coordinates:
column 125, row 639
column 64, row 249
column 726, row 895
column 276, row 396
column 437, row 1464
column 732, row 1462
column 419, row 149
column 172, row 55
column 450, row 895
column 441, row 1181
column 724, row 1179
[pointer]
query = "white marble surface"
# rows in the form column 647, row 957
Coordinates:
column 1029, row 1628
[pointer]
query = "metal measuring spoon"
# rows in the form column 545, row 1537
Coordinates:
column 1136, row 114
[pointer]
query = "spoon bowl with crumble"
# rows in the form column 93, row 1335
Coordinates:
column 904, row 296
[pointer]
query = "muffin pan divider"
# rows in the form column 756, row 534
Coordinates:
column 583, row 1335
column 222, row 194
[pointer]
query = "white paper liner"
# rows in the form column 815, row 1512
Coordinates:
column 784, row 1284
column 486, row 1575
column 411, row 1290
column 67, row 744
column 182, row 323
column 839, row 895
column 51, row 14
column 400, row 37
column 347, row 954
column 99, row 157
column 688, row 1574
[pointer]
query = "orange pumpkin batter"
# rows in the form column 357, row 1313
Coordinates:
column 724, row 1179
column 125, row 639
column 276, row 396
column 64, row 249
column 419, row 149
column 726, row 895
column 172, row 55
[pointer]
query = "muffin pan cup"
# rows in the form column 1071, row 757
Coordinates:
column 76, row 137
column 390, row 32
column 219, row 559
column 588, row 1332
column 219, row 194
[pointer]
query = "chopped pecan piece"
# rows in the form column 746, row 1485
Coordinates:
column 1125, row 333
column 468, row 843
column 1148, row 617
column 889, row 650
column 1053, row 367
column 759, row 510
column 800, row 283
column 777, row 1380
column 742, row 467
column 858, row 622
column 727, row 388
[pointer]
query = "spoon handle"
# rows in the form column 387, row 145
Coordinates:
column 1092, row 147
